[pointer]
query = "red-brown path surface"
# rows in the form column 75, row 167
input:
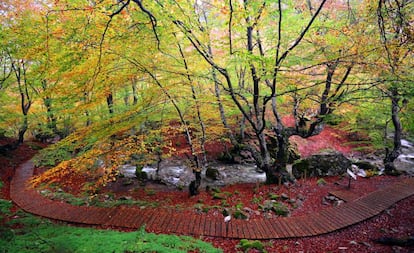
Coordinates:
column 163, row 221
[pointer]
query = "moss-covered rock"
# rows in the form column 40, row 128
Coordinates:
column 212, row 173
column 246, row 245
column 141, row 175
column 320, row 165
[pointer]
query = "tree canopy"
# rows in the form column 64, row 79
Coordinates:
column 115, row 79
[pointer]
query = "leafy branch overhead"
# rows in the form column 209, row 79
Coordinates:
column 106, row 77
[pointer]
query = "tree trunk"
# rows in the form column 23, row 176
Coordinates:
column 22, row 130
column 19, row 69
column 198, row 112
column 110, row 103
column 197, row 164
column 51, row 118
column 390, row 156
column 134, row 91
column 278, row 171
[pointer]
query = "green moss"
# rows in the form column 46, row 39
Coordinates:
column 239, row 214
column 141, row 175
column 150, row 192
column 273, row 196
column 96, row 201
column 280, row 209
column 224, row 203
column 321, row 181
column 39, row 235
column 246, row 245
column 257, row 200
column 221, row 195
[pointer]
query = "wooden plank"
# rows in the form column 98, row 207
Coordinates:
column 289, row 233
column 337, row 218
column 182, row 226
column 244, row 229
column 320, row 222
column 193, row 224
column 306, row 229
column 140, row 217
column 202, row 225
column 259, row 228
column 331, row 220
column 269, row 228
column 365, row 207
column 295, row 226
column 278, row 228
column 358, row 212
column 208, row 227
column 159, row 222
column 231, row 229
column 220, row 229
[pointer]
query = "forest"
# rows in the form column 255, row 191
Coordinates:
column 115, row 79
column 106, row 83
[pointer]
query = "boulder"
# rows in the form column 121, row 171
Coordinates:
column 140, row 174
column 320, row 165
column 212, row 173
column 365, row 165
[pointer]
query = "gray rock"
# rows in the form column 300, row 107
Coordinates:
column 299, row 203
column 366, row 165
column 213, row 173
column 301, row 197
column 320, row 165
column 267, row 205
column 284, row 196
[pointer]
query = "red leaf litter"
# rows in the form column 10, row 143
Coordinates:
column 329, row 139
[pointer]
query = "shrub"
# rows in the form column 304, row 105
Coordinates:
column 280, row 209
column 52, row 155
column 246, row 245
column 141, row 175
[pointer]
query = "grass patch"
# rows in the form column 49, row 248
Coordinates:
column 31, row 234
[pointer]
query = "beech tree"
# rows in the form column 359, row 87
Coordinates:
column 397, row 39
column 248, row 51
column 16, row 46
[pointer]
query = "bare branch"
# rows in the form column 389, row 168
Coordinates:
column 152, row 18
column 230, row 27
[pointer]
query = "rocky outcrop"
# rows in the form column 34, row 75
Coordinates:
column 323, row 164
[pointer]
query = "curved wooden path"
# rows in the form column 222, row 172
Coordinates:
column 164, row 221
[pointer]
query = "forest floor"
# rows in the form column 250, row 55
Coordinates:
column 396, row 222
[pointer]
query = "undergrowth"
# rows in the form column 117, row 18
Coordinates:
column 32, row 234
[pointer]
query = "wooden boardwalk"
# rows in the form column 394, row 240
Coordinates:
column 168, row 221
